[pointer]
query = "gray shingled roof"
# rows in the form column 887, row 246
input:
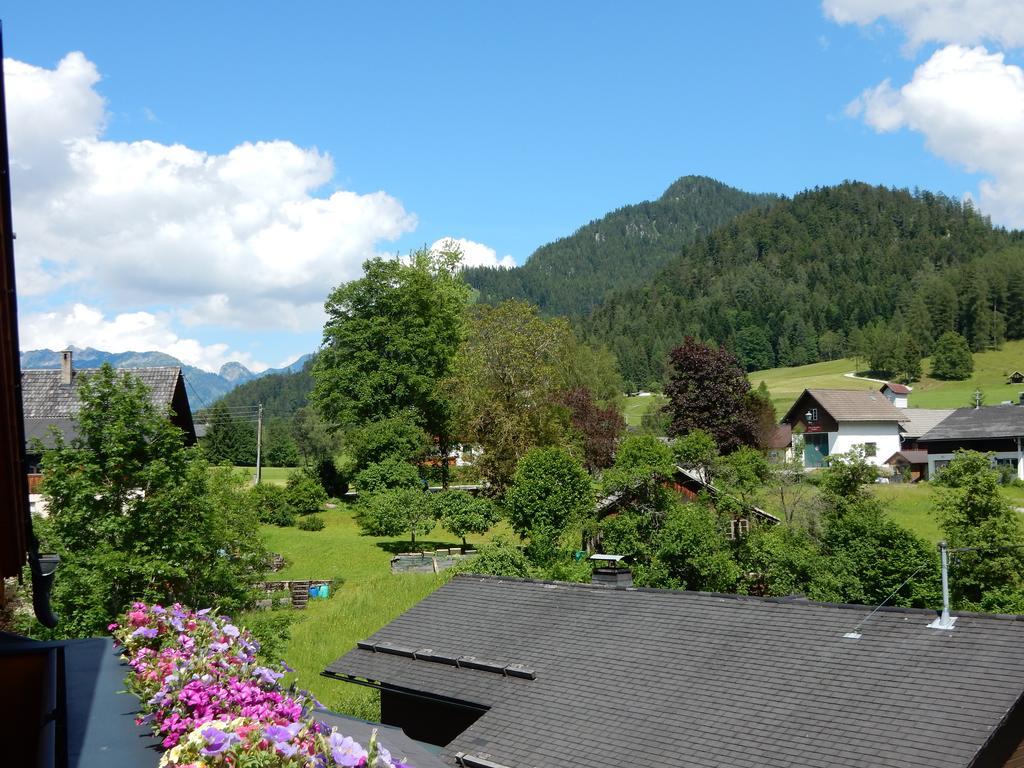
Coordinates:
column 658, row 677
column 922, row 420
column 992, row 421
column 48, row 402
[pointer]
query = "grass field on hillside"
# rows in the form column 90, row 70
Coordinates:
column 636, row 407
column 366, row 597
column 990, row 372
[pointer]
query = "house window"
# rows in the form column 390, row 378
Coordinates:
column 738, row 528
column 870, row 449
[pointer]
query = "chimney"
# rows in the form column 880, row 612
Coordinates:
column 66, row 370
column 610, row 571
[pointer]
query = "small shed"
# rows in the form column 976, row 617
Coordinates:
column 1015, row 378
column 911, row 463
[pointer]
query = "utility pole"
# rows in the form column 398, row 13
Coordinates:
column 259, row 441
column 945, row 621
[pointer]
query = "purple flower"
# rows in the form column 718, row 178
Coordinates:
column 285, row 667
column 345, row 750
column 282, row 732
column 268, row 676
column 203, row 612
column 231, row 630
column 218, row 647
column 149, row 632
column 217, row 741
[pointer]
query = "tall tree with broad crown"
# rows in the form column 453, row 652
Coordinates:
column 390, row 338
column 707, row 390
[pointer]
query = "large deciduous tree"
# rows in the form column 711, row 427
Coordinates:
column 598, row 428
column 509, row 377
column 707, row 390
column 134, row 514
column 390, row 339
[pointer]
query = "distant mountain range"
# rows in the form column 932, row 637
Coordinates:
column 203, row 387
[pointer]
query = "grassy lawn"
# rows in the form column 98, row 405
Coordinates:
column 276, row 475
column 636, row 407
column 990, row 371
column 366, row 597
column 911, row 505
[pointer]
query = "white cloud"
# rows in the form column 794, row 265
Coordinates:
column 475, row 254
column 942, row 21
column 84, row 326
column 240, row 238
column 969, row 105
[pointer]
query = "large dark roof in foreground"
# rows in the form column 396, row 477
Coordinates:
column 992, row 421
column 655, row 677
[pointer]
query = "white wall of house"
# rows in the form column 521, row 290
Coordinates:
column 885, row 435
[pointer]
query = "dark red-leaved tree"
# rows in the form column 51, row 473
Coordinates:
column 599, row 427
column 707, row 390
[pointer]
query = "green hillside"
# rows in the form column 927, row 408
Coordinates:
column 808, row 278
column 990, row 371
column 622, row 249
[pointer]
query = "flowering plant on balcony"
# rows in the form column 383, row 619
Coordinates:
column 212, row 703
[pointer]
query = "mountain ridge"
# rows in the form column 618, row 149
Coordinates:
column 573, row 274
column 203, row 387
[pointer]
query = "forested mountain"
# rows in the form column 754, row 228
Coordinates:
column 281, row 393
column 811, row 277
column 572, row 275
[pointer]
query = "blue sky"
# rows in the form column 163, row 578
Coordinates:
column 195, row 178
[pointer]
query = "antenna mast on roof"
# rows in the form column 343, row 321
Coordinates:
column 945, row 621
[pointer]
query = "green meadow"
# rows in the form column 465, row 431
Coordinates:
column 991, row 370
column 366, row 596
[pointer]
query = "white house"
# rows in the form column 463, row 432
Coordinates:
column 831, row 421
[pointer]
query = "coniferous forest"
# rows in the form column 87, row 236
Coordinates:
column 845, row 270
column 620, row 250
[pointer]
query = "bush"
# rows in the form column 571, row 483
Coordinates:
column 500, row 558
column 269, row 504
column 311, row 523
column 273, row 629
column 387, row 475
column 304, row 494
column 393, row 512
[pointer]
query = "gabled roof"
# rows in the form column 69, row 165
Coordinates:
column 694, row 679
column 698, row 483
column 993, row 421
column 896, row 389
column 850, row 405
column 917, row 456
column 48, row 402
column 781, row 437
column 920, row 421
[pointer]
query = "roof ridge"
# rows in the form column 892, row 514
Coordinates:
column 783, row 600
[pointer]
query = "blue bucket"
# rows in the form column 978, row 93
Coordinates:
column 323, row 591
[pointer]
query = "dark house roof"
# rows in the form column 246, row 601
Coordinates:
column 917, row 456
column 847, row 405
column 659, row 677
column 994, row 421
column 48, row 402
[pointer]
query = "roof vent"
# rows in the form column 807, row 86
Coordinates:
column 610, row 571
